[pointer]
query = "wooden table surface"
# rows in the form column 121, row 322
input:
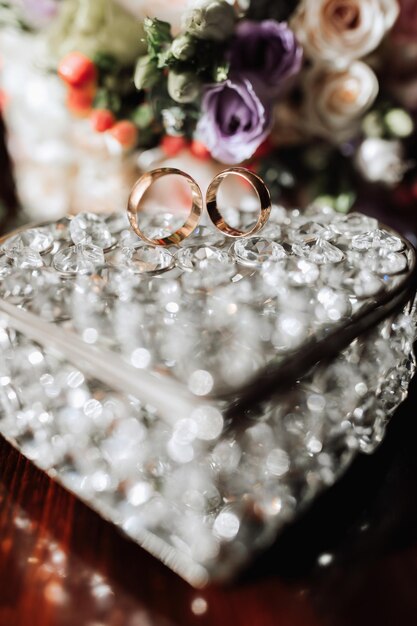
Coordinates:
column 351, row 560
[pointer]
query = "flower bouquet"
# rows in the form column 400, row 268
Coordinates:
column 317, row 97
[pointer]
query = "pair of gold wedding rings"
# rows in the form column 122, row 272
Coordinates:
column 193, row 219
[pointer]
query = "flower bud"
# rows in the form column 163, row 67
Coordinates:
column 146, row 74
column 216, row 20
column 399, row 123
column 183, row 88
column 183, row 48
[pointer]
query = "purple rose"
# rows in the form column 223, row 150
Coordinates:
column 234, row 122
column 267, row 53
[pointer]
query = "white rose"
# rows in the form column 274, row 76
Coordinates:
column 339, row 31
column 336, row 100
column 381, row 161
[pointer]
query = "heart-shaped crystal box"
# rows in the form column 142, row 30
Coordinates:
column 198, row 397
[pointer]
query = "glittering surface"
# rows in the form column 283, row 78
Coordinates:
column 200, row 492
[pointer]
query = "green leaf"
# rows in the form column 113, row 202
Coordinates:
column 158, row 35
column 107, row 100
column 164, row 58
column 106, row 63
column 148, row 138
column 143, row 116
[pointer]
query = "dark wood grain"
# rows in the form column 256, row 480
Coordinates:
column 61, row 565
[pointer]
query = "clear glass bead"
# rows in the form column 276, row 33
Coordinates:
column 256, row 251
column 80, row 259
column 90, row 229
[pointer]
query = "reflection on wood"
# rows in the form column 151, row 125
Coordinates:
column 61, row 565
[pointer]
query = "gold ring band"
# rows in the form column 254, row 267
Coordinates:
column 261, row 191
column 139, row 190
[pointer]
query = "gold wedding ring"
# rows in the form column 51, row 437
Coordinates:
column 139, row 190
column 261, row 191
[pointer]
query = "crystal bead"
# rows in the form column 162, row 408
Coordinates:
column 26, row 258
column 208, row 274
column 129, row 239
column 159, row 225
column 199, row 257
column 321, row 252
column 333, row 305
column 310, row 232
column 89, row 228
column 256, row 251
column 272, row 231
column 146, row 259
column 366, row 284
column 18, row 285
column 377, row 239
column 203, row 236
column 390, row 263
column 291, row 330
column 60, row 229
column 226, row 525
column 226, row 455
column 80, row 259
column 238, row 219
column 321, row 213
column 356, row 259
column 37, row 239
column 353, row 224
column 209, row 422
column 117, row 222
column 301, row 272
column 278, row 215
column 120, row 281
column 338, row 276
column 5, row 267
column 278, row 462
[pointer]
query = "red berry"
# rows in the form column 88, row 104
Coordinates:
column 172, row 145
column 80, row 101
column 199, row 150
column 77, row 70
column 125, row 132
column 102, row 120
